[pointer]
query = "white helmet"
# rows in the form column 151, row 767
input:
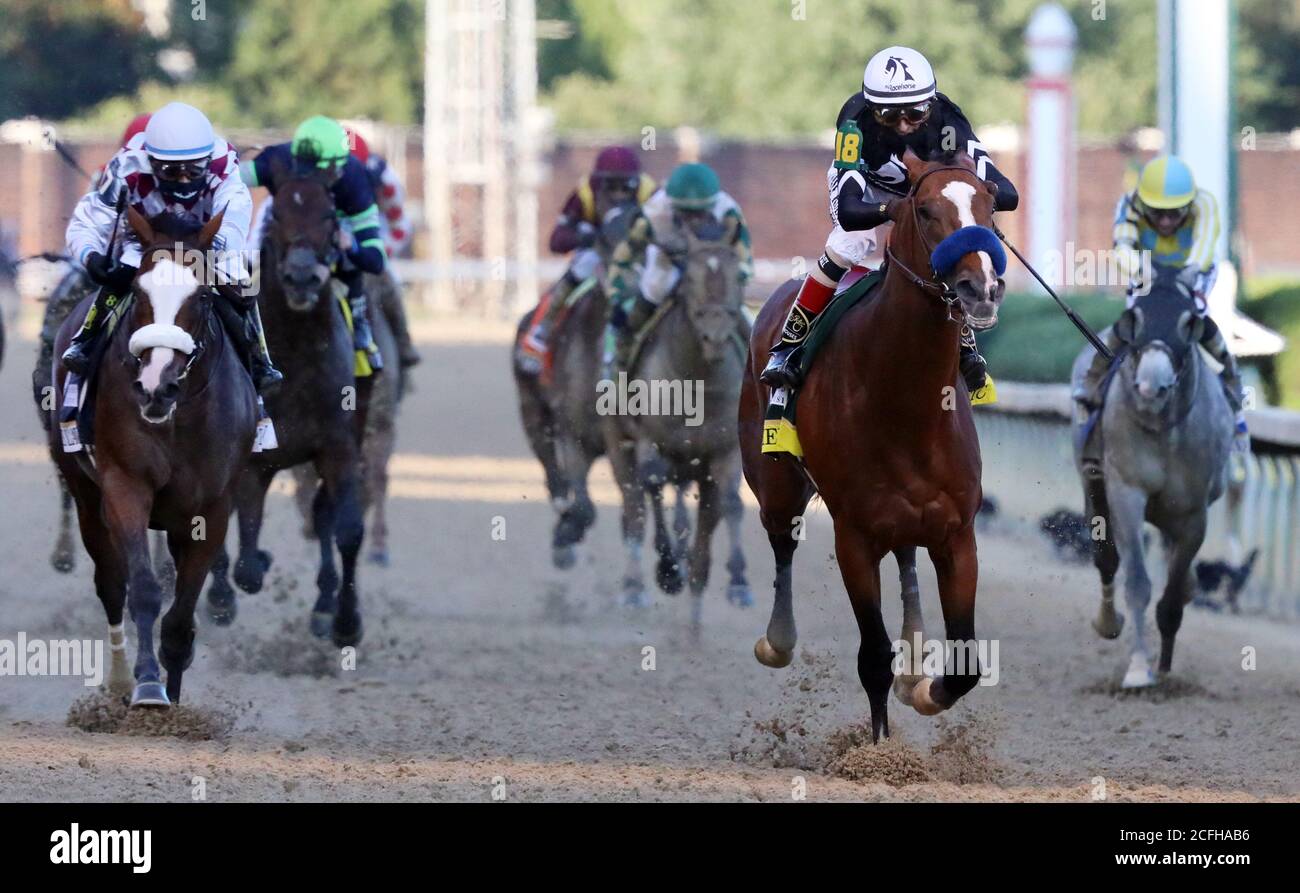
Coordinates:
column 898, row 76
column 178, row 132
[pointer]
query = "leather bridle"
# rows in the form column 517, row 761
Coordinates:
column 936, row 286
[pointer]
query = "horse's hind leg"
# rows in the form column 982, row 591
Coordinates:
column 860, row 567
column 250, row 496
column 222, row 604
column 566, row 482
column 913, row 634
column 701, row 555
column 1169, row 610
column 957, row 569
column 64, row 556
column 380, row 449
column 193, row 561
column 733, row 510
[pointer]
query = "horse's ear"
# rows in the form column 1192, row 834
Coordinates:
column 915, row 166
column 140, row 226
column 1129, row 325
column 1191, row 327
column 210, row 229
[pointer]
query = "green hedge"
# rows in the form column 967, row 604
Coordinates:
column 1275, row 302
column 1035, row 341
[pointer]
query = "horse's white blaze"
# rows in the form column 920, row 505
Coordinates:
column 962, row 195
column 167, row 286
column 1155, row 370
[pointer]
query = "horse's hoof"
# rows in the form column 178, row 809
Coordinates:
column 922, row 702
column 770, row 656
column 347, row 635
column 120, row 679
column 740, row 595
column 63, row 562
column 564, row 557
column 322, row 624
column 903, row 688
column 1108, row 625
column 668, row 576
column 150, row 694
column 223, row 613
column 379, row 557
column 1139, row 674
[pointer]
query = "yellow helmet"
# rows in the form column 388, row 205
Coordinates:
column 1166, row 183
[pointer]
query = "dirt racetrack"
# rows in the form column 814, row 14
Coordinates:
column 485, row 671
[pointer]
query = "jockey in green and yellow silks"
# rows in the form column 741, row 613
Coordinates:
column 645, row 267
column 1168, row 219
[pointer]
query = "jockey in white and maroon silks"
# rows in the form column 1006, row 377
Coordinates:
column 898, row 109
column 177, row 166
column 616, row 180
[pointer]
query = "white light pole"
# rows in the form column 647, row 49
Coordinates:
column 1049, row 42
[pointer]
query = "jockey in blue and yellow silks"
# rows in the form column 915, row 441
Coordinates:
column 1168, row 217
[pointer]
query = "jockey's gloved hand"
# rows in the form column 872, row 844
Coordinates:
column 894, row 207
column 115, row 276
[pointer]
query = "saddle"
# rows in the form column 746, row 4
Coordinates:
column 780, row 434
column 77, row 403
column 576, row 296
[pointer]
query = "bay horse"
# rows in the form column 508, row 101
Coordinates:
column 319, row 410
column 696, row 347
column 1167, row 430
column 888, row 435
column 175, row 416
column 558, row 410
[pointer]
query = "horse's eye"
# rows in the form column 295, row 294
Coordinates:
column 924, row 212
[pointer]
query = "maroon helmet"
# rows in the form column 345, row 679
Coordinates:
column 617, row 161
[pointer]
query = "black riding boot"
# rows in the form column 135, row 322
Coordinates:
column 265, row 376
column 78, row 355
column 974, row 368
column 363, row 337
column 390, row 301
column 626, row 334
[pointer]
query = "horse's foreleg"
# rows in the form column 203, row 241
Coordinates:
column 1128, row 511
column 342, row 482
column 193, row 558
column 733, row 510
column 1185, row 543
column 250, row 496
column 668, row 569
column 622, row 458
column 912, row 637
column 569, row 498
column 380, row 448
column 222, row 606
column 327, row 576
column 860, row 567
column 126, row 513
column 783, row 494
column 1108, row 623
column 957, row 570
column 110, row 585
column 701, row 556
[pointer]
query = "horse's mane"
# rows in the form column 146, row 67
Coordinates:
column 952, row 158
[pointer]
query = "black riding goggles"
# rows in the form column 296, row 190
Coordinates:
column 889, row 115
column 1166, row 216
column 179, row 171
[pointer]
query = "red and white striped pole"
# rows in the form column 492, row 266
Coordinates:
column 1050, row 190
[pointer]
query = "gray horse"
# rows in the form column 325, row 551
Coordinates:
column 694, row 359
column 1167, row 431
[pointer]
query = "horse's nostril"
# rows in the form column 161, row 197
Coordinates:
column 170, row 390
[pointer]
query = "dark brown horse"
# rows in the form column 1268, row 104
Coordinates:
column 175, row 417
column 319, row 411
column 888, row 438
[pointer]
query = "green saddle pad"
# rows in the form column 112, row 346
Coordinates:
column 779, row 435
